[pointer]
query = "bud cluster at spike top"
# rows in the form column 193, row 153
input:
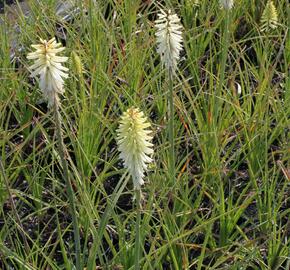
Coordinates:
column 169, row 38
column 269, row 19
column 227, row 4
column 134, row 144
column 49, row 67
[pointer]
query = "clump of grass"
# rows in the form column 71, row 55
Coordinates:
column 231, row 146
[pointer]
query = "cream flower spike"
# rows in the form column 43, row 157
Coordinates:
column 49, row 66
column 269, row 19
column 134, row 144
column 227, row 4
column 169, row 38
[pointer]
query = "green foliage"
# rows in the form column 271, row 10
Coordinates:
column 229, row 206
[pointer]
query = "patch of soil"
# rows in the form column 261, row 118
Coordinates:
column 7, row 2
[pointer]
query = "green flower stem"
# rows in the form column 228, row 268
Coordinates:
column 217, row 106
column 171, row 129
column 70, row 192
column 223, row 219
column 224, row 54
column 138, row 221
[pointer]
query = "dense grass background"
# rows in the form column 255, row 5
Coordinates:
column 229, row 206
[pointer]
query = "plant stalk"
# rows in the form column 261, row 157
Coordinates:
column 171, row 128
column 223, row 61
column 69, row 188
column 217, row 110
column 138, row 221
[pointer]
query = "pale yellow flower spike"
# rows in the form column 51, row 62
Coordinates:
column 269, row 19
column 49, row 67
column 134, row 144
column 227, row 4
column 169, row 38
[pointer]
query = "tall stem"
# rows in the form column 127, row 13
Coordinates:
column 223, row 219
column 171, row 128
column 218, row 104
column 138, row 221
column 69, row 188
column 223, row 61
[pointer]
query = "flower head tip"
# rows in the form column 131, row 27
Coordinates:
column 269, row 19
column 169, row 38
column 49, row 67
column 227, row 4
